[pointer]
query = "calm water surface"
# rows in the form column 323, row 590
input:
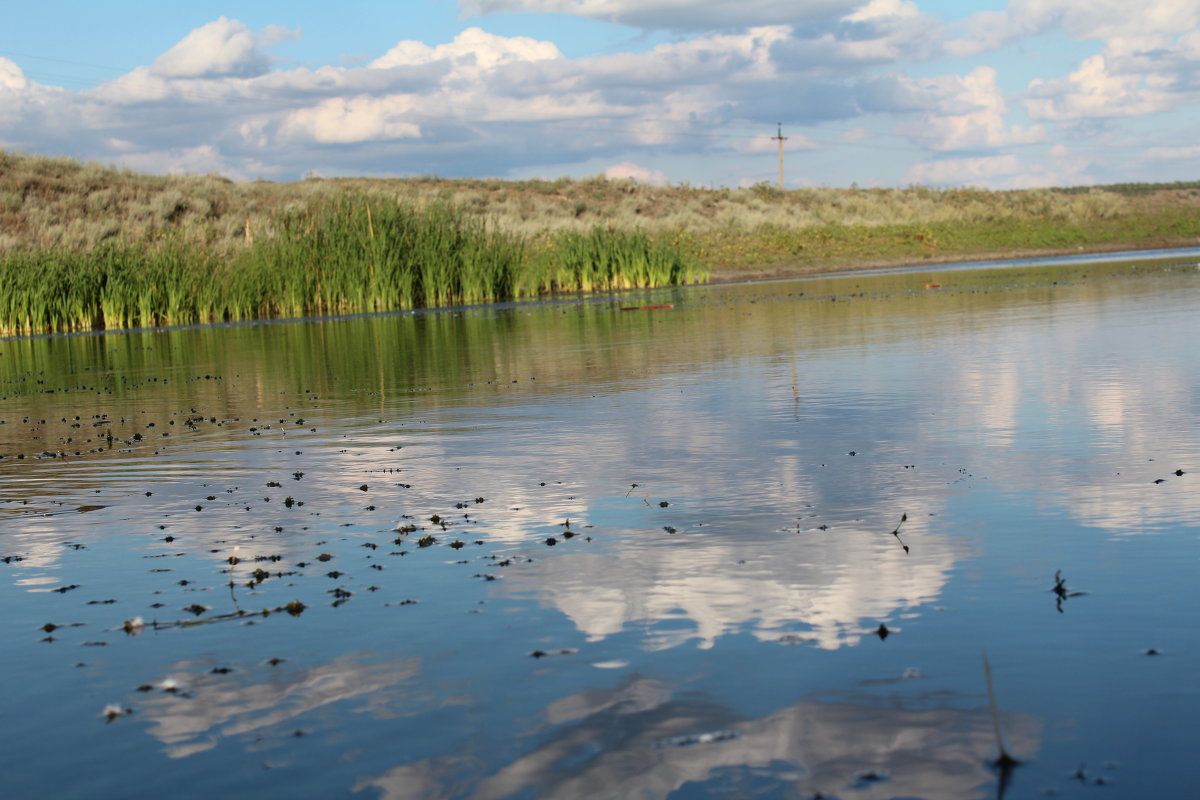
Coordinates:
column 570, row 551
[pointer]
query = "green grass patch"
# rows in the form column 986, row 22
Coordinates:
column 356, row 254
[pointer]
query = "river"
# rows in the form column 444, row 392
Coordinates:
column 705, row 542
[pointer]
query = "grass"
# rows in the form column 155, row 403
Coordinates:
column 353, row 254
column 83, row 245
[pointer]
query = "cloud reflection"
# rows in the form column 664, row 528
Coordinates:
column 203, row 708
column 707, row 586
column 622, row 743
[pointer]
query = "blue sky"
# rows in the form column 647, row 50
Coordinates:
column 882, row 92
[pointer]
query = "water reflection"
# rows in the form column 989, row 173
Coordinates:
column 830, row 592
column 192, row 708
column 642, row 740
column 775, row 436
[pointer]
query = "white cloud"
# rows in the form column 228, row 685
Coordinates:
column 1005, row 171
column 489, row 104
column 627, row 170
column 11, row 76
column 966, row 112
column 1107, row 19
column 731, row 58
column 764, row 143
column 1123, row 26
column 676, row 14
column 356, row 119
column 883, row 9
column 1095, row 91
column 221, row 48
column 1187, row 153
column 199, row 160
column 472, row 51
column 962, row 170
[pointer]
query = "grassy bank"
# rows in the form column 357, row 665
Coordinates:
column 83, row 245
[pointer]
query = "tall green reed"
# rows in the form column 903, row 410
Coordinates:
column 351, row 254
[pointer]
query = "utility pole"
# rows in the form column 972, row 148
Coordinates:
column 779, row 137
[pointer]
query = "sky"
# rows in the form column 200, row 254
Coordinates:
column 987, row 93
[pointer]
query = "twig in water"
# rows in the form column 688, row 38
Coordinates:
column 896, row 533
column 1005, row 761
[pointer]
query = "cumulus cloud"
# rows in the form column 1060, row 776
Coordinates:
column 1188, row 153
column 962, row 170
column 223, row 48
column 1121, row 25
column 473, row 48
column 1094, row 90
column 963, row 112
column 11, row 76
column 1005, row 171
column 627, row 170
column 356, row 119
column 678, row 15
column 199, row 160
column 482, row 103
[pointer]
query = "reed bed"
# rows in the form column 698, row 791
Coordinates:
column 356, row 254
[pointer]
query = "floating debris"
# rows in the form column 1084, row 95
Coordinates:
column 870, row 776
column 113, row 711
column 1061, row 592
column 567, row 651
column 692, row 739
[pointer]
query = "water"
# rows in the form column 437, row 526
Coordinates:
column 732, row 469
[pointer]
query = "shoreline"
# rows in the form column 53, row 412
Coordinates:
column 784, row 271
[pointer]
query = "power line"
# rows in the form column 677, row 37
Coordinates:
column 7, row 53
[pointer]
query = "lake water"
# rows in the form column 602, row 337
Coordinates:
column 740, row 609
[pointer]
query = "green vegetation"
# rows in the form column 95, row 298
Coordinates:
column 85, row 246
column 351, row 255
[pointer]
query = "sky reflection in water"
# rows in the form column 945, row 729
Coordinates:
column 732, row 469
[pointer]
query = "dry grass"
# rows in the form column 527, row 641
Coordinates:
column 49, row 203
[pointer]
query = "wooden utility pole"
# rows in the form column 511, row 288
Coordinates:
column 779, row 137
